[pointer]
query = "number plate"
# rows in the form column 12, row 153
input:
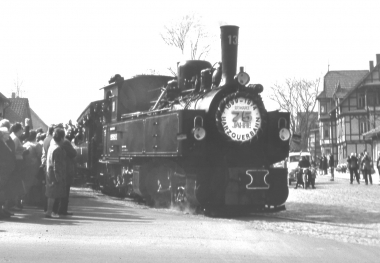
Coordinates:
column 113, row 137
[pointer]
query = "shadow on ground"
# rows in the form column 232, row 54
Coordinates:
column 86, row 209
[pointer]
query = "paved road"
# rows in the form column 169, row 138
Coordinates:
column 105, row 229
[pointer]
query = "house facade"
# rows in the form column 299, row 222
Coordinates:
column 17, row 110
column 349, row 106
column 4, row 103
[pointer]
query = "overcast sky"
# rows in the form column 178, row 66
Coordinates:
column 63, row 52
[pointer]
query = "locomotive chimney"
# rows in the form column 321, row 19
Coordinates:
column 229, row 38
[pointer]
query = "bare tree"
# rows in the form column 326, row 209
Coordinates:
column 17, row 87
column 299, row 98
column 189, row 36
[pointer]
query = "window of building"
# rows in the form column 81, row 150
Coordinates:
column 326, row 133
column 361, row 100
column 323, row 108
column 363, row 127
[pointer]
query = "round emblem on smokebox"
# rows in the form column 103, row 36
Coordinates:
column 239, row 116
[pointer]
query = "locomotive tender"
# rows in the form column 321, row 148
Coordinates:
column 203, row 138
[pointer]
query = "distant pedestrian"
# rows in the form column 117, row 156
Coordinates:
column 324, row 164
column 360, row 167
column 353, row 168
column 331, row 165
column 367, row 167
column 303, row 166
column 378, row 164
column 320, row 165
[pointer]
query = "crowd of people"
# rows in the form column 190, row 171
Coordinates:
column 361, row 164
column 36, row 168
column 357, row 165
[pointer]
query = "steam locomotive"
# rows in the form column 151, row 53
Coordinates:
column 203, row 138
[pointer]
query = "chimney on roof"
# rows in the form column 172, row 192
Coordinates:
column 377, row 59
column 371, row 65
column 13, row 95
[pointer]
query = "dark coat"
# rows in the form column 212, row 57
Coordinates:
column 7, row 164
column 353, row 162
column 324, row 162
column 331, row 161
column 304, row 163
column 366, row 162
column 71, row 153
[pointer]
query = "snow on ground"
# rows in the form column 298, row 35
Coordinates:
column 335, row 210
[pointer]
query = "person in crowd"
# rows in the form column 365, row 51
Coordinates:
column 367, row 167
column 324, row 164
column 320, row 160
column 32, row 166
column 360, row 166
column 61, row 205
column 313, row 175
column 56, row 186
column 40, row 139
column 312, row 162
column 5, row 123
column 45, row 148
column 16, row 189
column 46, row 144
column 331, row 165
column 303, row 163
column 353, row 168
column 378, row 164
column 7, row 165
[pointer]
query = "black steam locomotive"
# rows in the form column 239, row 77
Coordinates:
column 203, row 138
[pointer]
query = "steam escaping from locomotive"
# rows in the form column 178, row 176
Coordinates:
column 203, row 138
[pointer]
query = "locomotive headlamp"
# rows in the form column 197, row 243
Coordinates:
column 284, row 134
column 198, row 131
column 242, row 77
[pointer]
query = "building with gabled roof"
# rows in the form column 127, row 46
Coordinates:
column 4, row 103
column 348, row 106
column 18, row 110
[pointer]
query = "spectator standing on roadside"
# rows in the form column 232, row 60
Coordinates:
column 320, row 165
column 353, row 168
column 61, row 205
column 324, row 164
column 56, row 172
column 366, row 166
column 7, row 165
column 378, row 165
column 32, row 165
column 331, row 165
column 15, row 189
column 360, row 167
column 45, row 149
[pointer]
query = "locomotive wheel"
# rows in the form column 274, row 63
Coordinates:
column 163, row 185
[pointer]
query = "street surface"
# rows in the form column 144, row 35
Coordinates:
column 337, row 222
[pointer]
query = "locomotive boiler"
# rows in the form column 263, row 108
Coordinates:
column 204, row 137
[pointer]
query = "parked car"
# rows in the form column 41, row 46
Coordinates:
column 292, row 164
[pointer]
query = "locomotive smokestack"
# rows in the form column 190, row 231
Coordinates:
column 229, row 37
